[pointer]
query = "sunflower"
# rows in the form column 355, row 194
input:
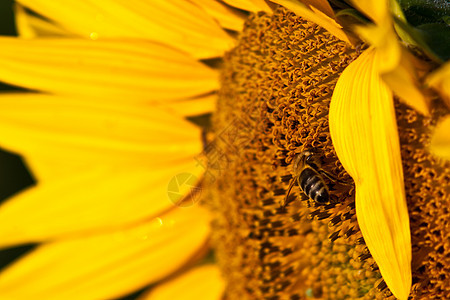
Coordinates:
column 135, row 185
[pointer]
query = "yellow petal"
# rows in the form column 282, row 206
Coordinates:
column 90, row 202
column 403, row 81
column 119, row 69
column 364, row 133
column 321, row 5
column 193, row 107
column 226, row 16
column 107, row 266
column 384, row 39
column 314, row 15
column 204, row 282
column 396, row 65
column 46, row 169
column 88, row 130
column 378, row 10
column 440, row 81
column 381, row 35
column 440, row 142
column 177, row 23
column 250, row 5
column 31, row 26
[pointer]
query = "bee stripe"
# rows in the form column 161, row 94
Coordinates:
column 308, row 178
column 305, row 178
column 318, row 192
column 313, row 186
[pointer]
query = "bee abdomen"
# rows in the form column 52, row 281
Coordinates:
column 313, row 186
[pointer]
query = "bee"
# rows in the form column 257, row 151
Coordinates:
column 308, row 174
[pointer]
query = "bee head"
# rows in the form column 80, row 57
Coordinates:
column 299, row 161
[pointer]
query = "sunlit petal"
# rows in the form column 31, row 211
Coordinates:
column 440, row 142
column 178, row 23
column 90, row 202
column 109, row 265
column 249, row 5
column 203, row 282
column 31, row 26
column 364, row 133
column 121, row 70
column 226, row 16
column 83, row 130
column 316, row 16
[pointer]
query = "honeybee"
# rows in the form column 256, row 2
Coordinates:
column 308, row 174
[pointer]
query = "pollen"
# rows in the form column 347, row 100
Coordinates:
column 276, row 90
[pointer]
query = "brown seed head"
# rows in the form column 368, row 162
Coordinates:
column 276, row 90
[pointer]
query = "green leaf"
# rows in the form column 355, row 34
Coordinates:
column 419, row 12
column 433, row 39
column 437, row 37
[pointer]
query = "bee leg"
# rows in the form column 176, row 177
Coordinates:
column 285, row 202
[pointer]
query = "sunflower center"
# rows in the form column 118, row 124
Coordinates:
column 276, row 89
column 273, row 105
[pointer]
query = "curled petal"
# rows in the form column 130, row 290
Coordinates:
column 396, row 65
column 403, row 81
column 384, row 39
column 314, row 15
column 364, row 133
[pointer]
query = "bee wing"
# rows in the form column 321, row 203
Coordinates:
column 332, row 178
